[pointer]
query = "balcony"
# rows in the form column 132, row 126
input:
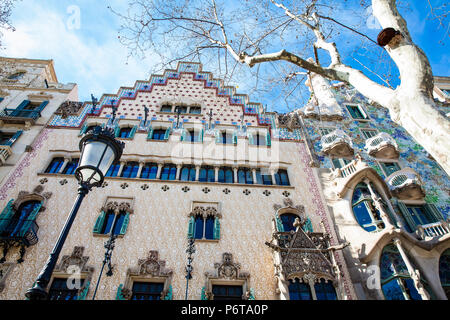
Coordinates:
column 5, row 152
column 406, row 184
column 432, row 230
column 19, row 116
column 337, row 144
column 382, row 146
column 17, row 232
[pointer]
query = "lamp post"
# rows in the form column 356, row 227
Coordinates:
column 99, row 149
column 190, row 251
column 109, row 246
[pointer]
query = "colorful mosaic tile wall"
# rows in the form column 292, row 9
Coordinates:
column 412, row 155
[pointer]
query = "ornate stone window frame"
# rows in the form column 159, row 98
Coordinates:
column 150, row 269
column 205, row 209
column 75, row 263
column 227, row 272
column 311, row 279
column 117, row 205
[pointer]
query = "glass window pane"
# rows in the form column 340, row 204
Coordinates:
column 109, row 219
column 198, row 234
column 209, row 228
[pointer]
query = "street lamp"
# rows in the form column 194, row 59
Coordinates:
column 99, row 149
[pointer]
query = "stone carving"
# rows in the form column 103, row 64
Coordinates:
column 289, row 120
column 69, row 108
column 205, row 212
column 227, row 270
column 77, row 259
column 148, row 268
column 117, row 207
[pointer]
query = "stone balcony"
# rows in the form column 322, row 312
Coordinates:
column 337, row 144
column 5, row 152
column 433, row 230
column 382, row 146
column 406, row 184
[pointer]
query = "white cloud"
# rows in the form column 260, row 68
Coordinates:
column 79, row 57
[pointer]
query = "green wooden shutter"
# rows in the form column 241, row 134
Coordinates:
column 83, row 129
column 119, row 295
column 29, row 221
column 203, row 295
column 183, row 135
column 14, row 138
column 191, row 227
column 150, row 132
column 133, row 131
column 268, row 140
column 169, row 295
column 216, row 234
column 217, row 133
column 407, row 215
column 200, row 136
column 126, row 220
column 280, row 226
column 83, row 293
column 99, row 223
column 116, row 131
column 250, row 138
column 252, row 294
column 307, row 227
column 42, row 106
column 6, row 215
column 434, row 212
column 167, row 134
column 234, row 137
column 23, row 104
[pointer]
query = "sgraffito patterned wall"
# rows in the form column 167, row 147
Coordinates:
column 412, row 155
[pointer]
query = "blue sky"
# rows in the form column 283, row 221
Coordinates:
column 90, row 54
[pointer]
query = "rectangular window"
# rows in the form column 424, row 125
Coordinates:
column 419, row 215
column 367, row 133
column 227, row 292
column 356, row 112
column 149, row 171
column 60, row 291
column 281, row 178
column 55, row 165
column 390, row 167
column 325, row 131
column 71, row 166
column 147, row 291
column 5, row 137
column 340, row 162
column 159, row 134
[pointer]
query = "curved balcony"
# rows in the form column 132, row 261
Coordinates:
column 337, row 144
column 406, row 184
column 382, row 146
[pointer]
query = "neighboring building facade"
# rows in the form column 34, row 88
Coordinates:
column 253, row 189
column 29, row 95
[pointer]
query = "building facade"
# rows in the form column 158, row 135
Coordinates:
column 29, row 95
column 266, row 197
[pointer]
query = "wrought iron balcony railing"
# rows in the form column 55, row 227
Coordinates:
column 18, row 232
column 383, row 146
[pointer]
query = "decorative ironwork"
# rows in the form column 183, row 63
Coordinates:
column 189, row 268
column 109, row 246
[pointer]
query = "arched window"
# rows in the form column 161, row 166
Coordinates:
column 288, row 219
column 444, row 272
column 125, row 132
column 71, row 166
column 113, row 170
column 325, row 290
column 396, row 282
column 207, row 174
column 149, row 171
column 195, row 110
column 365, row 213
column 159, row 134
column 166, row 108
column 187, row 173
column 55, row 165
column 169, row 172
column 281, row 178
column 19, row 224
column 130, row 170
column 245, row 176
column 109, row 222
column 181, row 109
column 226, row 175
column 299, row 290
